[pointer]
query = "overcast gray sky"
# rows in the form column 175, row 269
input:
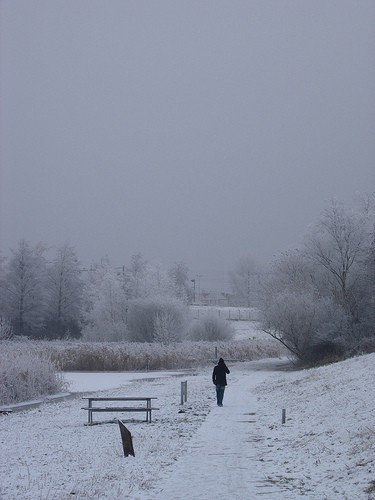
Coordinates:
column 189, row 130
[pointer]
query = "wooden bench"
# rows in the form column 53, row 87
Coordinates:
column 146, row 408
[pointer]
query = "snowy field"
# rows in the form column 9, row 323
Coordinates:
column 325, row 450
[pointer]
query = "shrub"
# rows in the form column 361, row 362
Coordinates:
column 26, row 373
column 6, row 329
column 211, row 328
column 160, row 319
column 301, row 321
column 325, row 352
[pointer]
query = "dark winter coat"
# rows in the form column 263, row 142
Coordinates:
column 219, row 375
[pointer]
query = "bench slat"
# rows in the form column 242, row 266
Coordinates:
column 96, row 408
column 127, row 398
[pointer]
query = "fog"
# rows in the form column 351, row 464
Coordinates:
column 200, row 131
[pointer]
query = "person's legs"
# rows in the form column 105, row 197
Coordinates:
column 220, row 394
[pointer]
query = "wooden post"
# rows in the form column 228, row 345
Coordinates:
column 283, row 416
column 89, row 413
column 215, row 352
column 127, row 442
column 183, row 392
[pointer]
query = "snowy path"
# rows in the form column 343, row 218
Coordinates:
column 221, row 460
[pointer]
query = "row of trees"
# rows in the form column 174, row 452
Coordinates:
column 59, row 298
column 319, row 300
column 37, row 296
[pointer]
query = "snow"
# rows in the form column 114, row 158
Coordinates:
column 325, row 450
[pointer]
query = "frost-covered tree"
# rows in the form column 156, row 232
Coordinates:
column 2, row 286
column 179, row 276
column 245, row 282
column 369, row 288
column 294, row 312
column 110, row 293
column 338, row 248
column 64, row 300
column 23, row 288
column 166, row 327
column 302, row 320
column 321, row 295
column 105, row 311
column 146, row 279
column 157, row 283
column 134, row 277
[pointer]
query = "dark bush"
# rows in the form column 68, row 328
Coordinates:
column 326, row 351
column 366, row 346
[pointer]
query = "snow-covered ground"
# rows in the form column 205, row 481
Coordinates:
column 325, row 450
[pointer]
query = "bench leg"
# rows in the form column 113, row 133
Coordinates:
column 148, row 412
column 89, row 413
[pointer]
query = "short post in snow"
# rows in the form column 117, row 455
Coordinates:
column 127, row 442
column 215, row 352
column 183, row 392
column 283, row 416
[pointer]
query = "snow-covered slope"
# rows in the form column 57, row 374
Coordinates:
column 326, row 448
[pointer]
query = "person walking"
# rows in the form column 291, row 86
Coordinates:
column 219, row 378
